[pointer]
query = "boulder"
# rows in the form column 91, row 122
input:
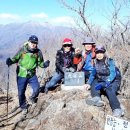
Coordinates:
column 64, row 110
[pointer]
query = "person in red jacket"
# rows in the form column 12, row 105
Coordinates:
column 88, row 56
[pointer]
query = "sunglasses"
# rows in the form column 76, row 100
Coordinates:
column 97, row 52
column 67, row 45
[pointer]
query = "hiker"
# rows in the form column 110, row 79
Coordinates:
column 28, row 58
column 88, row 55
column 105, row 77
column 64, row 63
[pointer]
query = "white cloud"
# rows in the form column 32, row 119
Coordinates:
column 40, row 15
column 65, row 20
column 7, row 16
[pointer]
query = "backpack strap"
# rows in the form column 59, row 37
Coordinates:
column 118, row 73
column 108, row 61
column 24, row 52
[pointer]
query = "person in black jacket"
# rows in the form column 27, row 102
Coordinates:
column 64, row 63
column 105, row 78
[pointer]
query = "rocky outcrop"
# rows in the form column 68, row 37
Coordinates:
column 62, row 110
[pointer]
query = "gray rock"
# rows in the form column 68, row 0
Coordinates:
column 65, row 110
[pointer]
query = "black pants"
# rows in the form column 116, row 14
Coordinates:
column 110, row 92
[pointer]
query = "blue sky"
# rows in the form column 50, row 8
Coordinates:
column 26, row 10
column 53, row 12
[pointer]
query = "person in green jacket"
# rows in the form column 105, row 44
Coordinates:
column 28, row 58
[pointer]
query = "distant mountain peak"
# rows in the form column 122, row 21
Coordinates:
column 34, row 23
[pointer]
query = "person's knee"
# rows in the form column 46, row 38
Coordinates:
column 110, row 92
column 36, row 88
column 51, row 84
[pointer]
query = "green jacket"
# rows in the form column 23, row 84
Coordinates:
column 28, row 61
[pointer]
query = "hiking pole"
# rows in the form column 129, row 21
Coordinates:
column 7, row 92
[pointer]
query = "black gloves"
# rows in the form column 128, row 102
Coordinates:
column 46, row 64
column 9, row 62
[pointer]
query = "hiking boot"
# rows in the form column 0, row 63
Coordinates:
column 31, row 101
column 46, row 90
column 95, row 101
column 118, row 112
column 24, row 111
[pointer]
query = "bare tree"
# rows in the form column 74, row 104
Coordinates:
column 80, row 10
column 116, row 38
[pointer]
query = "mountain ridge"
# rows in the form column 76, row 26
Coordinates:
column 13, row 35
